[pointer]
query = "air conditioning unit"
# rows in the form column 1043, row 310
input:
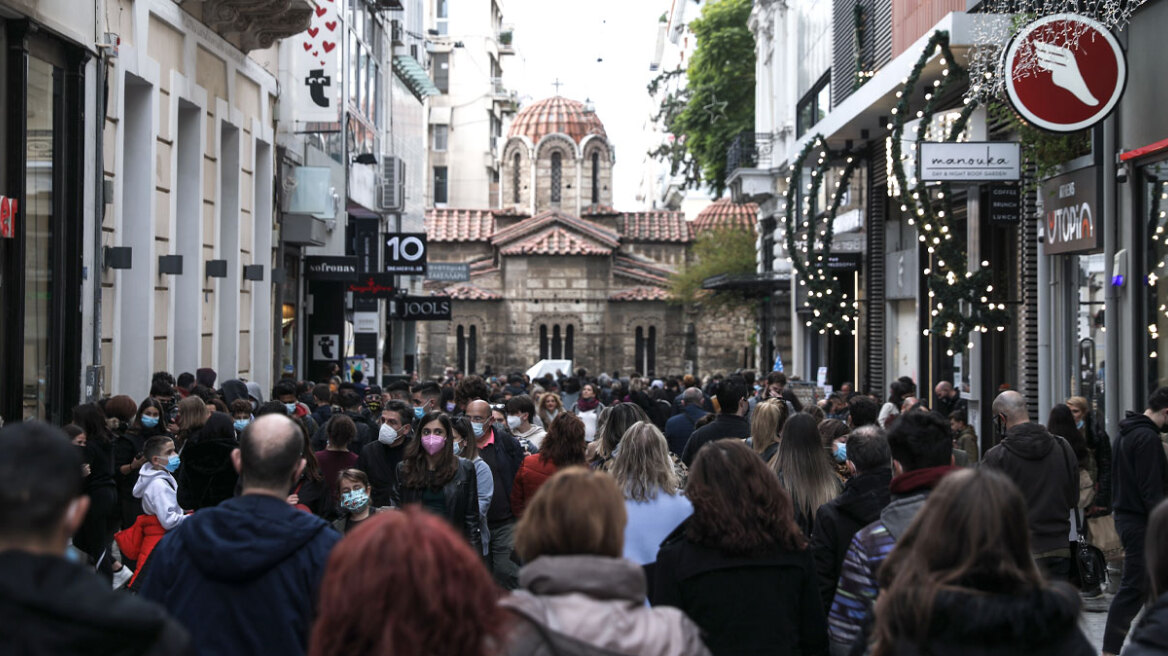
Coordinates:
column 393, row 184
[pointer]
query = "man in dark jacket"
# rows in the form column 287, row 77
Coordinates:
column 865, row 495
column 49, row 605
column 1139, row 481
column 1045, row 469
column 730, row 422
column 366, row 431
column 681, row 425
column 243, row 576
column 503, row 454
column 379, row 458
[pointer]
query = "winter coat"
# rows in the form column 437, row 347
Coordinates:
column 503, row 454
column 1045, row 469
column 1150, row 637
column 157, row 490
column 343, row 526
column 601, row 601
column 207, row 476
column 127, row 446
column 838, row 520
column 651, row 522
column 366, row 433
column 243, row 576
column 138, row 541
column 723, row 426
column 49, row 605
column 967, row 442
column 461, row 500
column 1043, row 622
column 681, row 425
column 533, row 473
column 1100, row 445
column 766, row 604
column 1139, row 470
column 535, row 435
column 380, row 462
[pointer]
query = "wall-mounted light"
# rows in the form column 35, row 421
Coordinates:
column 170, row 265
column 117, row 257
column 253, row 272
column 216, row 268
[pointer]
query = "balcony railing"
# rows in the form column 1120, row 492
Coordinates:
column 750, row 150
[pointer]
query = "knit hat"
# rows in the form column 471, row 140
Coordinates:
column 206, row 376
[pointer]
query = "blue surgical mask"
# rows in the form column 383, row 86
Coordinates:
column 354, row 500
column 450, row 406
column 457, row 448
column 149, row 422
column 419, row 412
column 840, row 452
column 290, row 407
column 173, row 462
column 241, row 424
column 1079, row 424
column 478, row 428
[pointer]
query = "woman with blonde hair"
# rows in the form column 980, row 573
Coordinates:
column 190, row 415
column 804, row 470
column 550, row 406
column 766, row 425
column 643, row 470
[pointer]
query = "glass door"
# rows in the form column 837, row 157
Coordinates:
column 43, row 92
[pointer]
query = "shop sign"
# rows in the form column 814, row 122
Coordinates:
column 372, row 285
column 8, row 209
column 969, row 161
column 1070, row 210
column 1064, row 72
column 406, row 253
column 424, row 308
column 365, row 322
column 902, row 275
column 448, row 271
column 330, row 267
column 316, row 66
column 844, row 262
column 326, row 347
column 1005, row 205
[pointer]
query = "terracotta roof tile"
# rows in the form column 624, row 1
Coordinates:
column 725, row 213
column 656, row 225
column 643, row 293
column 467, row 292
column 556, row 114
column 459, row 225
column 556, row 240
column 597, row 209
column 540, row 221
column 641, row 269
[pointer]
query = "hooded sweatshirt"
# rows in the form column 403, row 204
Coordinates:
column 243, row 576
column 234, row 390
column 49, row 605
column 1139, row 473
column 1045, row 469
column 158, row 491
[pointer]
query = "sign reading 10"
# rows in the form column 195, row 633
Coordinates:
column 407, row 249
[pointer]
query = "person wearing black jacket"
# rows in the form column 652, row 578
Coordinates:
column 441, row 482
column 503, row 454
column 49, row 605
column 730, row 422
column 1139, row 481
column 206, row 476
column 865, row 494
column 380, row 458
column 1150, row 637
column 366, row 430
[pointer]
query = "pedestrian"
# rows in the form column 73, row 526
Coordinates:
column 284, row 391
column 309, row 492
column 776, row 388
column 503, row 455
column 1045, row 469
column 834, row 435
column 964, row 438
column 322, row 402
column 730, row 421
column 574, row 585
column 241, row 411
column 520, row 415
column 766, row 427
column 189, row 416
column 1090, row 426
column 862, row 411
column 922, row 454
column 128, row 457
column 681, row 425
column 739, row 566
column 562, row 447
column 101, row 522
column 425, row 397
column 352, row 407
column 336, row 457
column 466, row 448
column 804, row 470
column 961, row 580
column 588, row 407
column 407, row 584
column 49, row 605
column 948, row 399
column 865, row 494
column 207, row 476
column 243, row 576
column 444, row 484
column 653, row 501
column 611, row 426
column 380, row 459
column 1150, row 637
column 550, row 407
column 355, row 500
column 157, row 491
column 1061, row 422
column 899, row 391
column 1139, row 478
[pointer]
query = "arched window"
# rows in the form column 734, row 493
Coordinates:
column 595, row 178
column 557, row 176
column 569, row 339
column 467, row 339
column 515, row 180
column 557, row 343
column 543, row 342
column 645, row 350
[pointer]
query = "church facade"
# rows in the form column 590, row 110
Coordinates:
column 558, row 273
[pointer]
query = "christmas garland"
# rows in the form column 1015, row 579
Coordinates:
column 953, row 288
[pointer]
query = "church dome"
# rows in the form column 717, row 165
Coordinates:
column 724, row 213
column 556, row 114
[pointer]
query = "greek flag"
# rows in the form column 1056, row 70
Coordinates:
column 778, row 362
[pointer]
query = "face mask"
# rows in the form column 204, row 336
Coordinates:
column 457, row 448
column 450, row 406
column 513, row 422
column 840, row 452
column 478, row 428
column 433, row 443
column 387, row 435
column 241, row 424
column 498, row 427
column 1079, row 424
column 354, row 500
column 374, row 406
column 290, row 407
column 419, row 412
column 173, row 462
column 149, row 422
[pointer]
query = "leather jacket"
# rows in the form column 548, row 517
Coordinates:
column 461, row 495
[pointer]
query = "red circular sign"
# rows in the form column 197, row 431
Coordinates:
column 1064, row 72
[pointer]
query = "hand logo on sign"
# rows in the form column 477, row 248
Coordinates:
column 1064, row 71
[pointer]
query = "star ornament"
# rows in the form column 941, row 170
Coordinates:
column 716, row 109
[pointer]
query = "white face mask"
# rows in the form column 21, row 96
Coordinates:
column 387, row 435
column 513, row 422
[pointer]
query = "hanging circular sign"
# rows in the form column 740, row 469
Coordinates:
column 1064, row 72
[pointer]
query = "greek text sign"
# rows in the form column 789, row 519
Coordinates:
column 448, row 271
column 969, row 161
column 1070, row 213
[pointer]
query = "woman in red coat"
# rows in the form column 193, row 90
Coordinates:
column 563, row 446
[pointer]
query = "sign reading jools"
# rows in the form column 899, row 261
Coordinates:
column 1070, row 212
column 424, row 308
column 1064, row 72
column 969, row 161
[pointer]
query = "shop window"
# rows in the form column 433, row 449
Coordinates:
column 1155, row 181
column 557, row 176
column 645, row 350
column 467, row 343
column 813, row 106
column 440, row 185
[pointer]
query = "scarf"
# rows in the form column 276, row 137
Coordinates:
column 588, row 404
column 919, row 479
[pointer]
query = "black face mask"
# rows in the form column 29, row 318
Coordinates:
column 999, row 426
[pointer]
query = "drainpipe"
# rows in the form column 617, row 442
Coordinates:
column 1111, row 235
column 99, row 204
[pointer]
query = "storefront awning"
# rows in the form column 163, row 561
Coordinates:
column 411, row 73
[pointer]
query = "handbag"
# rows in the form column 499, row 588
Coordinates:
column 1089, row 561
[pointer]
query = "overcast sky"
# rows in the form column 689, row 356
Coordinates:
column 599, row 50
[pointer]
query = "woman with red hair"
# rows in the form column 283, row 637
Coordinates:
column 405, row 583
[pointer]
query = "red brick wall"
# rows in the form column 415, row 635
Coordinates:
column 911, row 19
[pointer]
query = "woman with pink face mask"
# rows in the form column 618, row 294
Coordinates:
column 444, row 484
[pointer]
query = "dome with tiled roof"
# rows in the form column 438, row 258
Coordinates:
column 556, row 114
column 725, row 213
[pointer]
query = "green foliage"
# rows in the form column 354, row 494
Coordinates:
column 718, row 101
column 1047, row 150
column 728, row 251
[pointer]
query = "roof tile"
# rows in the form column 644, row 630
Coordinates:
column 642, row 293
column 725, row 213
column 656, row 225
column 459, row 225
column 556, row 241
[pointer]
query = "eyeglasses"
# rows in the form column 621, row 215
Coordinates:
column 501, row 407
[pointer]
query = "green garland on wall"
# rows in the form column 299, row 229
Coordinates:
column 963, row 300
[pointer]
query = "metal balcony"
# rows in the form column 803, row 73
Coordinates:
column 256, row 24
column 749, row 161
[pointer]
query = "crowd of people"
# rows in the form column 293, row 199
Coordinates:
column 577, row 515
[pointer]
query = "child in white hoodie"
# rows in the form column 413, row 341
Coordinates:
column 158, row 491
